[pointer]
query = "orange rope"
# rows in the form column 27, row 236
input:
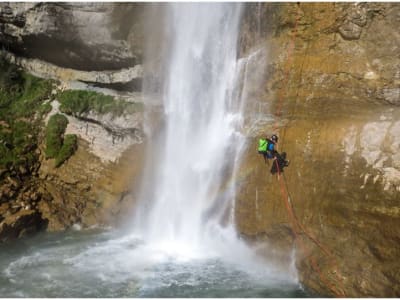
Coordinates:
column 295, row 223
column 297, row 227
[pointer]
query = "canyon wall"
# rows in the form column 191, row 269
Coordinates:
column 93, row 47
column 82, row 36
column 333, row 93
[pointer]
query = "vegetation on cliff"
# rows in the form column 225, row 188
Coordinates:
column 77, row 103
column 23, row 104
column 31, row 189
column 57, row 146
column 67, row 150
column 54, row 134
column 22, row 107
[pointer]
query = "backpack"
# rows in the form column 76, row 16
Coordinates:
column 266, row 147
column 262, row 145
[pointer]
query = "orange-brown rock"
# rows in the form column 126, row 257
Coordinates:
column 85, row 190
column 334, row 97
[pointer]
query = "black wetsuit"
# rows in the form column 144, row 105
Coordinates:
column 279, row 163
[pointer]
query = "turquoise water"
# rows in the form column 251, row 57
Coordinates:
column 98, row 263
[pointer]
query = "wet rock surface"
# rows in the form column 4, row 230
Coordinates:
column 19, row 199
column 337, row 92
column 85, row 191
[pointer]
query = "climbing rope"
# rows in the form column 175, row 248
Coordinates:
column 297, row 227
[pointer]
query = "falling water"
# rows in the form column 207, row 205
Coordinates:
column 198, row 148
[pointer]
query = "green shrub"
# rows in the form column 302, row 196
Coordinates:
column 21, row 94
column 81, row 102
column 54, row 134
column 34, row 93
column 44, row 109
column 67, row 150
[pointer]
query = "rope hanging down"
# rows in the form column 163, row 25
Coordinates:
column 297, row 227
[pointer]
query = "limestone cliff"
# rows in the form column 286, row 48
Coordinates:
column 83, row 36
column 88, row 188
column 332, row 89
column 79, row 47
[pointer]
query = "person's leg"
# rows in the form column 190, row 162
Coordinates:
column 281, row 161
column 283, row 155
column 274, row 167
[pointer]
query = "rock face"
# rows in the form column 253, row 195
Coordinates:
column 89, row 188
column 46, row 70
column 19, row 200
column 331, row 89
column 81, row 46
column 83, row 36
column 86, row 191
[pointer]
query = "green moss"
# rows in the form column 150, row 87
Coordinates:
column 67, row 150
column 34, row 93
column 54, row 134
column 59, row 146
column 21, row 97
column 81, row 102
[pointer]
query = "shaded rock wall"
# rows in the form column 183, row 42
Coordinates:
column 340, row 117
column 82, row 36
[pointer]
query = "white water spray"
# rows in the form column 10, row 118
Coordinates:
column 187, row 199
column 189, row 195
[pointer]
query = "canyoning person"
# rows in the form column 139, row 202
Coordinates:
column 266, row 147
column 263, row 144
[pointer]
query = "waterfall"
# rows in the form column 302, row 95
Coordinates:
column 188, row 196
